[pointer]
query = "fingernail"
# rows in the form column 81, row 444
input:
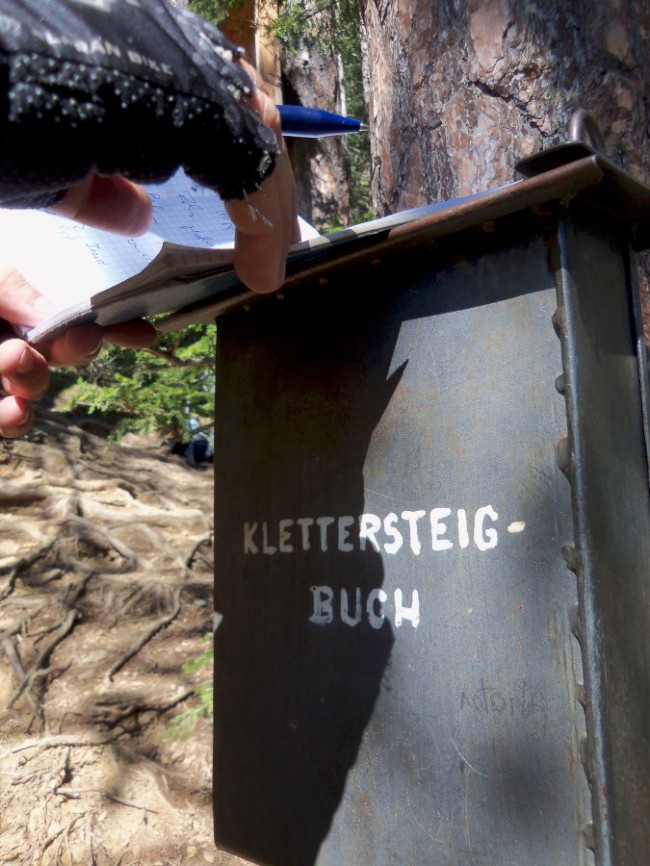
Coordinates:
column 93, row 352
column 26, row 362
column 24, row 418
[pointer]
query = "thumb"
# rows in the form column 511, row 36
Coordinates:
column 112, row 203
column 20, row 303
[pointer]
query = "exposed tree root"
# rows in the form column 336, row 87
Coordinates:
column 64, row 629
column 72, row 741
column 199, row 552
column 76, row 794
column 14, row 660
column 116, row 711
column 151, row 632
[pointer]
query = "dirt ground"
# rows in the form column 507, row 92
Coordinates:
column 105, row 592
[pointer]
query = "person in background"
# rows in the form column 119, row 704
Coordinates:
column 215, row 120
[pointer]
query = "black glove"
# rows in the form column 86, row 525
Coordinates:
column 130, row 87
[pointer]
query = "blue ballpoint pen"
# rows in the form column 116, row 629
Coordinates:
column 315, row 123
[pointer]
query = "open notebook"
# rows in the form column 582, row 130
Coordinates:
column 182, row 267
column 90, row 274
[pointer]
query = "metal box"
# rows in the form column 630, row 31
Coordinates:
column 433, row 541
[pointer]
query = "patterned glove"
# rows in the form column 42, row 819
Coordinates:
column 130, row 87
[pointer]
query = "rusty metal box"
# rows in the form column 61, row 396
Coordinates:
column 433, row 541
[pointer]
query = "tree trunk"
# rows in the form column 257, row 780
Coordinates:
column 312, row 76
column 466, row 87
column 459, row 90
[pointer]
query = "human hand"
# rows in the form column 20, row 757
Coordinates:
column 25, row 374
column 265, row 223
column 24, row 371
column 110, row 203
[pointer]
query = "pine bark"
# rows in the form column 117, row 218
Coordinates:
column 466, row 87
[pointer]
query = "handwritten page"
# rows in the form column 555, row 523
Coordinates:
column 68, row 262
column 189, row 214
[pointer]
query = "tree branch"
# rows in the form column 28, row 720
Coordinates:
column 175, row 361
